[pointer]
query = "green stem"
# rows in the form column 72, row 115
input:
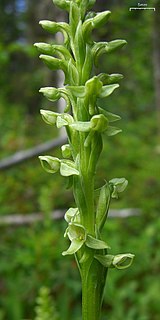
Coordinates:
column 93, row 282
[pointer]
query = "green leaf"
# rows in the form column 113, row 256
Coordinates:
column 96, row 244
column 49, row 117
column 50, row 164
column 68, row 168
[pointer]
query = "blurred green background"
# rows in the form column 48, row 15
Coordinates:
column 30, row 255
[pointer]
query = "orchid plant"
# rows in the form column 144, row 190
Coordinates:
column 86, row 123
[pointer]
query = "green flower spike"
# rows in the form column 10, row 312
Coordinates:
column 86, row 124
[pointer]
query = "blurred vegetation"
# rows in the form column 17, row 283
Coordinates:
column 31, row 255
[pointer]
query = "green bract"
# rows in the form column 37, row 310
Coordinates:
column 85, row 123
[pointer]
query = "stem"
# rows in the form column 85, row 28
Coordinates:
column 93, row 282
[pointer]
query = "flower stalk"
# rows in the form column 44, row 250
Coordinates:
column 85, row 123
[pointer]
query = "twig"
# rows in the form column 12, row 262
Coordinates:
column 23, row 155
column 21, row 219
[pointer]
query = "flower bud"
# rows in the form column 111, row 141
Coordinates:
column 50, row 164
column 51, row 93
column 49, row 117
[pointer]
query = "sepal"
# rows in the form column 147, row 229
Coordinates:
column 95, row 22
column 107, row 90
column 49, row 117
column 100, row 48
column 62, row 4
column 77, row 235
column 66, row 151
column 112, row 131
column 51, row 49
column 68, row 168
column 118, row 185
column 51, row 93
column 97, row 123
column 81, row 126
column 92, row 90
column 60, row 119
column 54, row 27
column 114, row 45
column 72, row 215
column 54, row 63
column 96, row 244
column 52, row 165
column 110, row 78
column 109, row 115
column 120, row 261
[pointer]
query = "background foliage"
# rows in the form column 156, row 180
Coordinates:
column 31, row 255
